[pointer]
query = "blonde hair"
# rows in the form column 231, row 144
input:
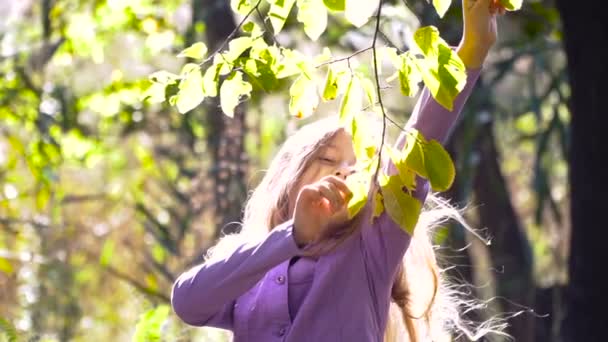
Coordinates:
column 415, row 314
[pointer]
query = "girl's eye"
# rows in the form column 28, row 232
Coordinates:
column 327, row 160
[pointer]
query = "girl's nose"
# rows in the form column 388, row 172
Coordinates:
column 345, row 171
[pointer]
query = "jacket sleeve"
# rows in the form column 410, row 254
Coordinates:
column 385, row 242
column 205, row 294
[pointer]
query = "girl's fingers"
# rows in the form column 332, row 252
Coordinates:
column 341, row 186
column 331, row 196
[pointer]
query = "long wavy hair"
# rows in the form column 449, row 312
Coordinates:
column 429, row 308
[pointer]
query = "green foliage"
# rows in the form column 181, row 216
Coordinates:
column 399, row 205
column 231, row 92
column 352, row 101
column 358, row 184
column 149, row 326
column 250, row 62
column 358, row 12
column 335, row 5
column 241, row 6
column 511, row 5
column 442, row 6
column 107, row 251
column 313, row 14
column 8, row 330
column 304, row 98
column 279, row 11
column 196, row 51
column 5, row 266
column 330, row 91
column 439, row 166
column 190, row 92
column 442, row 70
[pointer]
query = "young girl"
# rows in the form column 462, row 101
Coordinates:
column 267, row 284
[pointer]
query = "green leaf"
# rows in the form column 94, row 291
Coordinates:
column 413, row 153
column 195, row 51
column 241, row 6
column 303, row 97
column 427, row 40
column 391, row 54
column 255, row 31
column 233, row 88
column 148, row 328
column 439, row 166
column 442, row 70
column 5, row 266
column 313, row 14
column 8, row 329
column 324, row 56
column 295, row 62
column 211, row 79
column 358, row 12
column 364, row 146
column 236, row 47
column 358, row 184
column 155, row 93
column 511, row 5
column 163, row 77
column 401, row 207
column 352, row 101
column 408, row 177
column 409, row 76
column 42, row 197
column 261, row 74
column 331, row 85
column 190, row 92
column 370, row 89
column 107, row 251
column 442, row 6
column 279, row 11
column 335, row 5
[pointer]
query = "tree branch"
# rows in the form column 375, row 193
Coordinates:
column 141, row 287
column 377, row 77
column 236, row 29
column 347, row 58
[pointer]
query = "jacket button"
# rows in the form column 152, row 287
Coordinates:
column 280, row 280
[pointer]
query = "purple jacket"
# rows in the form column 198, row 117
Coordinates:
column 261, row 296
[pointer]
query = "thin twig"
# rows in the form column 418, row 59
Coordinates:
column 347, row 58
column 274, row 39
column 236, row 29
column 376, row 75
column 136, row 284
column 389, row 42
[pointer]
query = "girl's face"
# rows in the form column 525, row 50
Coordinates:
column 337, row 158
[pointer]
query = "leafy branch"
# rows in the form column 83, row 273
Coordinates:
column 250, row 63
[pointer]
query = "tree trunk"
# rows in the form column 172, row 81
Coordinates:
column 585, row 34
column 509, row 251
column 225, row 136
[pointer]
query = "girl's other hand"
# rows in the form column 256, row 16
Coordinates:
column 320, row 207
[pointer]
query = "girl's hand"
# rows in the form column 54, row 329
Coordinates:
column 480, row 32
column 320, row 207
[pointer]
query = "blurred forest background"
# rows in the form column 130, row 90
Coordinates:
column 105, row 198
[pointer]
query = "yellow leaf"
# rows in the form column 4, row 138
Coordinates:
column 358, row 184
column 439, row 166
column 401, row 207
